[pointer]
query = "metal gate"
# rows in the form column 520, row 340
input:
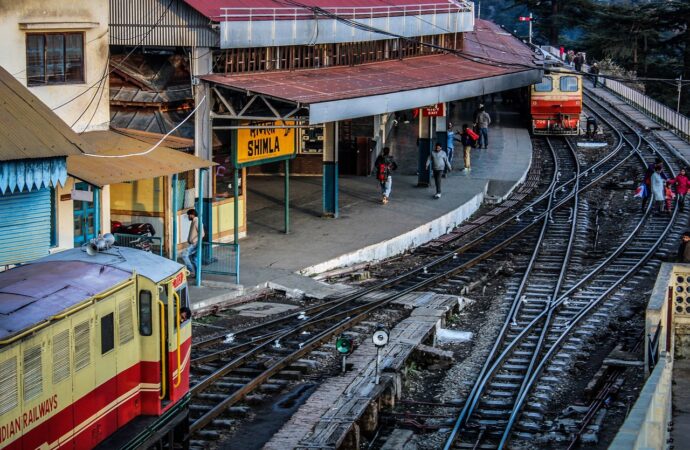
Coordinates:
column 24, row 226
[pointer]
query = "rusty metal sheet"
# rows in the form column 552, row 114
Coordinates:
column 128, row 159
column 28, row 128
column 488, row 52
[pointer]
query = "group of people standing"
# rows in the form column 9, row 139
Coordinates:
column 440, row 160
column 658, row 186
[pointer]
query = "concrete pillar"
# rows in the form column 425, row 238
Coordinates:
column 424, row 149
column 201, row 63
column 330, row 170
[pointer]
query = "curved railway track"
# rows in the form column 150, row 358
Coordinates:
column 533, row 339
column 549, row 221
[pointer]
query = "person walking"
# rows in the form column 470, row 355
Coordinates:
column 578, row 61
column 450, row 144
column 682, row 184
column 189, row 254
column 483, row 122
column 467, row 138
column 594, row 71
column 657, row 189
column 384, row 165
column 438, row 160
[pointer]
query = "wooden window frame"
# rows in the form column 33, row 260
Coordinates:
column 46, row 82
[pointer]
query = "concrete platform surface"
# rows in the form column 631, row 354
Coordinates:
column 366, row 230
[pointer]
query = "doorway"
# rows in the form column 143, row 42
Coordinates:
column 84, row 211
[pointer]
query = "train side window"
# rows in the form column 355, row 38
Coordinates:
column 107, row 333
column 569, row 84
column 145, row 313
column 33, row 373
column 546, row 85
column 9, row 387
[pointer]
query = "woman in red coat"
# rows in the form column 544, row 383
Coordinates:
column 682, row 183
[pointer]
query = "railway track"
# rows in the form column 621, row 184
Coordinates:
column 538, row 334
column 226, row 369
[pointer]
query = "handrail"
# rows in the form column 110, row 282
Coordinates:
column 177, row 323
column 78, row 308
column 163, row 352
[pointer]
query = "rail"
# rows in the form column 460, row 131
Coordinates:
column 343, row 12
column 153, row 244
column 658, row 111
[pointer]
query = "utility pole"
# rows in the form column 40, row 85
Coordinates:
column 530, row 28
column 680, row 86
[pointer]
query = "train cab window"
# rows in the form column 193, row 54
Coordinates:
column 546, row 85
column 569, row 84
column 145, row 313
column 107, row 333
column 185, row 312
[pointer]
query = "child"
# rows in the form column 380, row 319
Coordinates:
column 682, row 183
column 668, row 193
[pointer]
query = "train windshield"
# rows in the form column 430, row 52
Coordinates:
column 569, row 84
column 546, row 85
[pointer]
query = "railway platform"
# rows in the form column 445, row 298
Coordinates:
column 366, row 230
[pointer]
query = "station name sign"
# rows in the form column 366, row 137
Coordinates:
column 256, row 145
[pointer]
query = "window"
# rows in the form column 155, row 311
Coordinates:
column 546, row 85
column 145, row 319
column 569, row 84
column 54, row 58
column 107, row 333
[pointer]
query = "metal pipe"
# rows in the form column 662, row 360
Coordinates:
column 200, row 223
column 173, row 246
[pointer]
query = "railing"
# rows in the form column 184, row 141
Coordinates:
column 658, row 111
column 220, row 258
column 153, row 244
column 355, row 12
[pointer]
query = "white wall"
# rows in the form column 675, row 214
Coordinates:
column 89, row 16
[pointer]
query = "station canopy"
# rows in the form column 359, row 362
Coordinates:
column 491, row 60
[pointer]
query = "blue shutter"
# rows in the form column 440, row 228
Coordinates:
column 24, row 226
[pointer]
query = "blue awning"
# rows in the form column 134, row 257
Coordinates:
column 32, row 174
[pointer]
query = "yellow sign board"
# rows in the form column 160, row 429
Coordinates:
column 257, row 145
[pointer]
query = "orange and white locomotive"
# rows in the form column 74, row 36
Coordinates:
column 556, row 103
column 94, row 350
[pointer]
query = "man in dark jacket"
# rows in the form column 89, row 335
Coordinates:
column 684, row 248
column 383, row 166
column 594, row 70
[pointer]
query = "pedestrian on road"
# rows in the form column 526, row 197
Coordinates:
column 483, row 122
column 189, row 254
column 438, row 160
column 467, row 138
column 594, row 70
column 684, row 248
column 657, row 188
column 682, row 184
column 384, row 165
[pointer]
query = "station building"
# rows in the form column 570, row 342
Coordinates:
column 314, row 88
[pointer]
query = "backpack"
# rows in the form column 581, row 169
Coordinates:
column 382, row 171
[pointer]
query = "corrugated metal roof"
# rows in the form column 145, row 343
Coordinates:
column 174, row 142
column 506, row 54
column 28, row 128
column 101, row 171
column 213, row 9
column 153, row 23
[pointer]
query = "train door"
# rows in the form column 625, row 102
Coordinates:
column 164, row 343
column 106, row 367
column 180, row 338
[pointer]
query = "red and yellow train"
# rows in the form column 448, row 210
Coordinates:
column 94, row 351
column 556, row 103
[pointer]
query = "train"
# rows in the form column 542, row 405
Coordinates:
column 94, row 351
column 556, row 103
